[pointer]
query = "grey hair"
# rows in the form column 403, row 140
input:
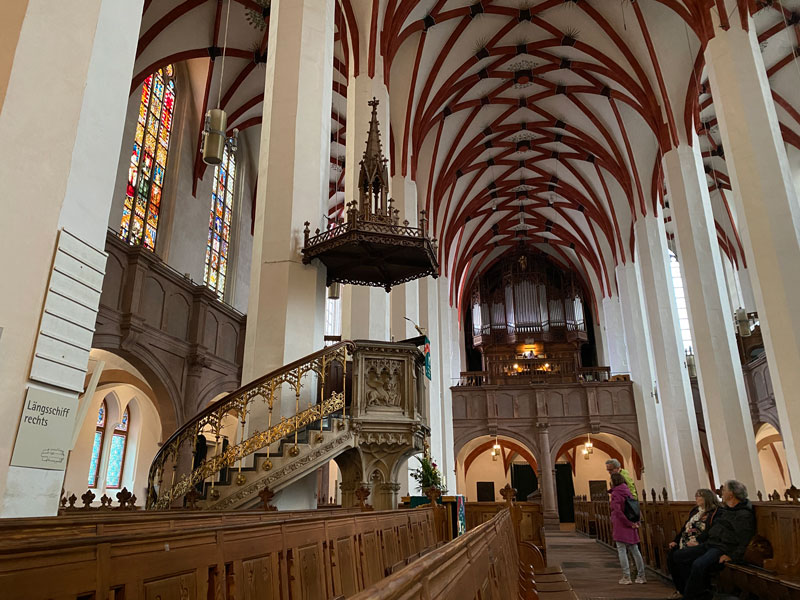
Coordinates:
column 737, row 488
column 614, row 463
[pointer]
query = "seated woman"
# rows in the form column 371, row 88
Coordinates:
column 625, row 533
column 693, row 533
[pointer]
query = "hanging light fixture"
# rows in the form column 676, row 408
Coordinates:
column 216, row 120
column 496, row 449
column 589, row 446
column 585, row 454
column 335, row 291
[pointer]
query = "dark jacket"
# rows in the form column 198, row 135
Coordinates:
column 732, row 529
column 702, row 537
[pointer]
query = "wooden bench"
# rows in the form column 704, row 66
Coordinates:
column 315, row 557
column 777, row 520
column 486, row 562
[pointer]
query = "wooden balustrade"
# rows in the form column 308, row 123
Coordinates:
column 212, row 555
column 774, row 570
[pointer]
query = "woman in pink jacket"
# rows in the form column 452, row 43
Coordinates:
column 625, row 533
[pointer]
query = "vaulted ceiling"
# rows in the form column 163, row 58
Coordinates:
column 535, row 120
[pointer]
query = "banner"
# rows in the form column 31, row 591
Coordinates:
column 427, row 358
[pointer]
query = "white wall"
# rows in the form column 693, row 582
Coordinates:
column 484, row 468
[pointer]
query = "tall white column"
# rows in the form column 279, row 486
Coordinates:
column 614, row 333
column 286, row 311
column 405, row 297
column 450, row 332
column 683, row 442
column 768, row 209
column 370, row 314
column 731, row 442
column 601, row 341
column 656, row 460
column 59, row 164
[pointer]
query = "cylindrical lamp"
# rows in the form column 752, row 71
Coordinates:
column 742, row 323
column 335, row 291
column 214, row 136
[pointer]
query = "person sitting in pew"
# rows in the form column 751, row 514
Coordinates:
column 693, row 533
column 732, row 529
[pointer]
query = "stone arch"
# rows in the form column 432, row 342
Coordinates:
column 214, row 390
column 155, row 382
column 561, row 435
column 473, row 451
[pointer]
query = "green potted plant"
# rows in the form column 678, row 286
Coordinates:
column 429, row 479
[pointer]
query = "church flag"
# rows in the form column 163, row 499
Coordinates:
column 427, row 358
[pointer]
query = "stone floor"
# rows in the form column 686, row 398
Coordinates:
column 593, row 569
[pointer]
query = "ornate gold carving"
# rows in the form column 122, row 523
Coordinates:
column 163, row 491
column 266, row 465
column 241, row 479
column 283, row 472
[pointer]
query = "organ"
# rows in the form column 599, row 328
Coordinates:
column 528, row 314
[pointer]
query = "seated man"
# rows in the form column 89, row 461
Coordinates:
column 733, row 527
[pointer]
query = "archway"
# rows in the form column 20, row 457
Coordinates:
column 772, row 457
column 581, row 467
column 114, row 447
column 485, row 465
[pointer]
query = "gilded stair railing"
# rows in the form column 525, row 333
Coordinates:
column 178, row 452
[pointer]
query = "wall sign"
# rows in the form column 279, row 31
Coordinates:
column 45, row 431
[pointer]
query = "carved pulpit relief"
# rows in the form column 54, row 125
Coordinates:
column 383, row 381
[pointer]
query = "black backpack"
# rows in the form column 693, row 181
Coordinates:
column 631, row 510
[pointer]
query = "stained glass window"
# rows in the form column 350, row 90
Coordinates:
column 97, row 446
column 219, row 224
column 116, row 456
column 149, row 160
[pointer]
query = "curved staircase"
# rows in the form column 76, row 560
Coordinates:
column 365, row 405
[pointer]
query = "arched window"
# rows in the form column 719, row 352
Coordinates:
column 149, row 160
column 97, row 446
column 680, row 301
column 219, row 223
column 116, row 456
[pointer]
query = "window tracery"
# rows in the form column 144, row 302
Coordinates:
column 116, row 454
column 97, row 445
column 140, row 213
column 219, row 223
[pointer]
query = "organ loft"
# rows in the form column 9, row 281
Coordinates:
column 379, row 299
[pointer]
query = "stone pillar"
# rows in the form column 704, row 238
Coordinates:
column 405, row 297
column 286, row 310
column 769, row 213
column 369, row 314
column 613, row 332
column 649, row 415
column 60, row 166
column 385, row 496
column 547, row 473
column 731, row 442
column 449, row 333
column 602, row 342
column 683, row 442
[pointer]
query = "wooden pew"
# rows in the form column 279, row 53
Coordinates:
column 528, row 519
column 314, row 557
column 486, row 562
column 777, row 520
column 99, row 522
